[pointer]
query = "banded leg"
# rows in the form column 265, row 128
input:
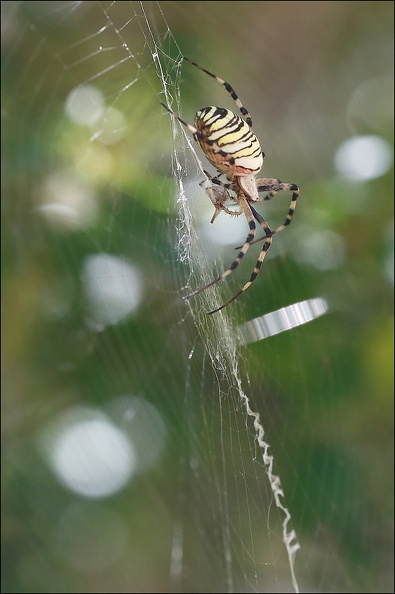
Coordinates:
column 192, row 129
column 230, row 90
column 274, row 186
column 260, row 260
column 214, row 179
column 244, row 249
column 262, row 222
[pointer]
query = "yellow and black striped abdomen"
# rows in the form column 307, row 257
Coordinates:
column 227, row 140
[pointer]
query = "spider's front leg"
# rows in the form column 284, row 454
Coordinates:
column 244, row 206
column 250, row 213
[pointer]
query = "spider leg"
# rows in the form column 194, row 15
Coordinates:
column 262, row 222
column 251, row 223
column 262, row 256
column 192, row 129
column 273, row 186
column 230, row 90
column 214, row 179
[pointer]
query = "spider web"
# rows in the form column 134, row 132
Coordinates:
column 216, row 473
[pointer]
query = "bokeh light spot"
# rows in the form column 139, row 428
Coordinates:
column 88, row 453
column 363, row 157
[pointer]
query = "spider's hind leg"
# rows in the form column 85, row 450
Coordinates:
column 244, row 112
column 192, row 129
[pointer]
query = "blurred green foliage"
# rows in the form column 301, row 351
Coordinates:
column 324, row 390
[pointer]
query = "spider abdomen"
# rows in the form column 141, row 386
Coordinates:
column 228, row 141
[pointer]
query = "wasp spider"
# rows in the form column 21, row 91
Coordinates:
column 233, row 149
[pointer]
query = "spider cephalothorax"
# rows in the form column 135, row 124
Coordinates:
column 232, row 148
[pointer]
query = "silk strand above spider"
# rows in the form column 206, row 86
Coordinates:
column 232, row 148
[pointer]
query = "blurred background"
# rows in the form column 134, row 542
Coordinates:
column 128, row 460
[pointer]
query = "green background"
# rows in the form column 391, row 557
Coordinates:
column 324, row 391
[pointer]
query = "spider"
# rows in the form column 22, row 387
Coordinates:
column 232, row 148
